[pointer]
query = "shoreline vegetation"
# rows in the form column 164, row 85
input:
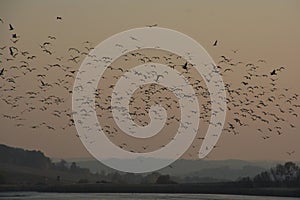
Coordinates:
column 230, row 188
column 22, row 170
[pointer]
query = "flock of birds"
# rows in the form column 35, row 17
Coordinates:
column 30, row 89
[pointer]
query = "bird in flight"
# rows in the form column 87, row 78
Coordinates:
column 215, row 43
column 2, row 71
column 11, row 27
column 14, row 35
column 290, row 153
column 273, row 72
column 158, row 76
column 51, row 37
column 184, row 66
column 11, row 51
column 59, row 18
column 152, row 25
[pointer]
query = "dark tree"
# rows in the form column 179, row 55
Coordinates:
column 281, row 176
column 165, row 179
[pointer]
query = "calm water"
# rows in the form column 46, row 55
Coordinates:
column 109, row 196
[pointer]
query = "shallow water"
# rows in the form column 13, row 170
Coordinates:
column 123, row 196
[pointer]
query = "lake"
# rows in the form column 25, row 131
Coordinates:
column 123, row 196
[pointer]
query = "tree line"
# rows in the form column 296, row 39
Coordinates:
column 282, row 175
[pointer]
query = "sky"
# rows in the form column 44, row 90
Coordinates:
column 246, row 31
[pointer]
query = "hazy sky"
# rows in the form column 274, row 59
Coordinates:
column 266, row 30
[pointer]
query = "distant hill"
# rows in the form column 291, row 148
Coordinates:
column 18, row 166
column 205, row 169
column 17, row 156
column 23, row 170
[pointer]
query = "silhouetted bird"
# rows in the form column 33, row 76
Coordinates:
column 184, row 66
column 273, row 72
column 2, row 71
column 215, row 43
column 152, row 25
column 11, row 51
column 290, row 153
column 11, row 27
column 51, row 37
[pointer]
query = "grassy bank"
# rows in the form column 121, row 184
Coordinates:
column 219, row 188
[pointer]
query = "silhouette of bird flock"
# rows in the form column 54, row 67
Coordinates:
column 257, row 100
